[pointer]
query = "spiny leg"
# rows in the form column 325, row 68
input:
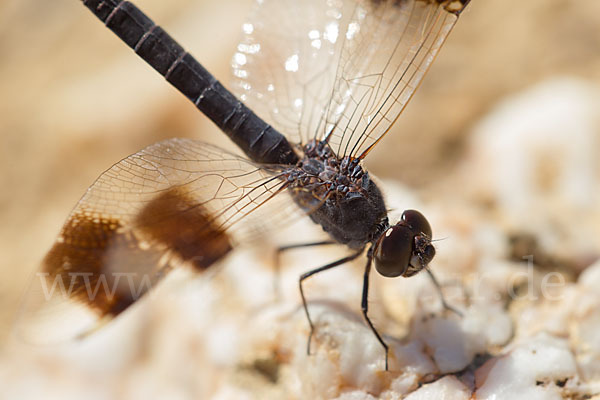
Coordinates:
column 280, row 250
column 365, row 305
column 311, row 273
column 439, row 290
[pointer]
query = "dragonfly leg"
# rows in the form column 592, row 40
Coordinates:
column 311, row 273
column 365, row 306
column 438, row 287
column 277, row 261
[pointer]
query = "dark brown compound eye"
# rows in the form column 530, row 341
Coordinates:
column 405, row 248
column 417, row 222
column 393, row 251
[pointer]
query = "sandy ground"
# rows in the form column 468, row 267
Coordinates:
column 75, row 100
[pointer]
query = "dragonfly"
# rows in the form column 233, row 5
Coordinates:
column 316, row 92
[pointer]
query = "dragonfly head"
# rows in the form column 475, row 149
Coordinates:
column 405, row 248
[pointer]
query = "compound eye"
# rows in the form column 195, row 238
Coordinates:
column 417, row 222
column 393, row 251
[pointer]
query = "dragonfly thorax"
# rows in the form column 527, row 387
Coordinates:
column 339, row 195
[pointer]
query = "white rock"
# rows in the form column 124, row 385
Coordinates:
column 536, row 155
column 528, row 371
column 446, row 388
column 590, row 277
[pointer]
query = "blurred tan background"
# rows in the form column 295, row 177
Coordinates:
column 75, row 99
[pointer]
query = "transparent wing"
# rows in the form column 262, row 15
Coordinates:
column 284, row 65
column 382, row 63
column 170, row 204
column 342, row 70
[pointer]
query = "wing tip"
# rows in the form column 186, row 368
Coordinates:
column 456, row 7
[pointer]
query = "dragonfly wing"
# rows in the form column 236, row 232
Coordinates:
column 284, row 66
column 389, row 47
column 342, row 70
column 170, row 204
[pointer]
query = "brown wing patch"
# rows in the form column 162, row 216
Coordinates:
column 93, row 263
column 176, row 220
column 108, row 270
